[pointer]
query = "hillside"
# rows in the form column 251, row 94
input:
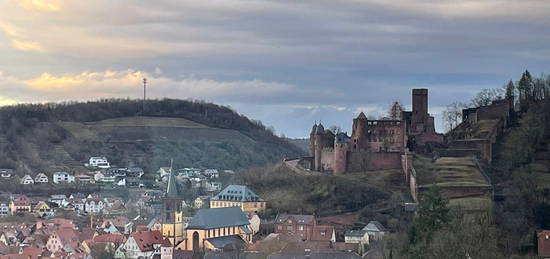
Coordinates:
column 373, row 194
column 48, row 137
column 302, row 143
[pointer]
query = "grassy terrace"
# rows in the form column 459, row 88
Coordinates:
column 449, row 172
column 454, row 172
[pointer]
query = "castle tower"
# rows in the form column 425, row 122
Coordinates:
column 172, row 213
column 341, row 149
column 312, row 140
column 319, row 145
column 359, row 132
column 419, row 109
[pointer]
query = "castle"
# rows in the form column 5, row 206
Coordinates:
column 374, row 144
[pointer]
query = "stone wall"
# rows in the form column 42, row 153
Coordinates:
column 368, row 161
column 327, row 159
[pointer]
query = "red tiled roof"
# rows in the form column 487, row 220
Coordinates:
column 32, row 252
column 146, row 239
column 109, row 238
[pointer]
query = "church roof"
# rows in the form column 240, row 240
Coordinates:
column 218, row 218
column 171, row 188
column 239, row 193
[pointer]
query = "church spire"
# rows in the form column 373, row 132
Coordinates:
column 171, row 188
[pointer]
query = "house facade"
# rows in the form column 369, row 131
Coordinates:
column 27, row 180
column 141, row 244
column 293, row 224
column 100, row 162
column 6, row 173
column 21, row 204
column 41, row 178
column 4, row 209
column 62, row 177
column 94, row 205
column 43, row 209
column 375, row 230
column 356, row 237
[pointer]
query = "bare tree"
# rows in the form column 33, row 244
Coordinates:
column 487, row 96
column 453, row 114
column 335, row 129
column 395, row 111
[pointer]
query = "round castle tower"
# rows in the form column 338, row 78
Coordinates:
column 341, row 149
column 359, row 134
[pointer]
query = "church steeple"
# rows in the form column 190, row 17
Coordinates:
column 172, row 212
column 171, row 187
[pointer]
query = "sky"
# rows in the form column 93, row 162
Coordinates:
column 287, row 63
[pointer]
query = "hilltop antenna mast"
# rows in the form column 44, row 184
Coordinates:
column 144, row 95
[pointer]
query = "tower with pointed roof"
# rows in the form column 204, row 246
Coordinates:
column 172, row 213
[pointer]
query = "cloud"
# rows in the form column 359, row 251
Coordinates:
column 41, row 5
column 128, row 83
column 17, row 42
column 27, row 45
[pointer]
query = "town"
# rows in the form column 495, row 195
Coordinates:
column 157, row 222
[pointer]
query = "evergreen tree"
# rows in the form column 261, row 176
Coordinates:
column 510, row 88
column 525, row 88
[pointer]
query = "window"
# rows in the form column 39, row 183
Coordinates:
column 279, row 227
column 301, row 227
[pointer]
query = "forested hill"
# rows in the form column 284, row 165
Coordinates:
column 60, row 136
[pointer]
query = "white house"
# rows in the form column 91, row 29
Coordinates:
column 41, row 178
column 375, row 230
column 213, row 186
column 122, row 182
column 141, row 244
column 27, row 179
column 94, row 205
column 58, row 199
column 102, row 178
column 212, row 173
column 254, row 220
column 84, row 178
column 99, row 161
column 164, row 171
column 4, row 209
column 62, row 177
column 356, row 237
column 7, row 173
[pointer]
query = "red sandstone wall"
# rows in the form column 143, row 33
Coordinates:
column 327, row 159
column 340, row 158
column 366, row 161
